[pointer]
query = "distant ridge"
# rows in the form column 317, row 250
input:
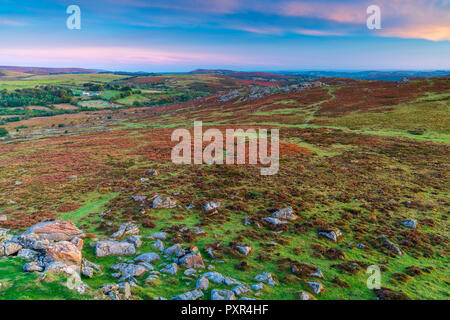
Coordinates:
column 46, row 71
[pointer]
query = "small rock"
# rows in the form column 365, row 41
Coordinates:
column 32, row 267
column 266, row 278
column 190, row 295
column 158, row 244
column 147, row 257
column 410, row 224
column 222, row 295
column 202, row 283
column 317, row 287
column 126, row 229
column 114, row 248
column 171, row 269
column 285, row 214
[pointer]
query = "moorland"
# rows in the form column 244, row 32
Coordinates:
column 87, row 182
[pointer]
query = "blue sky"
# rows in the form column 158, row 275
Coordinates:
column 181, row 35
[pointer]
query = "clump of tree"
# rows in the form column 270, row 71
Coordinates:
column 3, row 132
column 93, row 87
column 39, row 96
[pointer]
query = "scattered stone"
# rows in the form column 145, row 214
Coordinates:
column 274, row 221
column 163, row 203
column 114, row 248
column 332, row 234
column 32, row 267
column 3, row 218
column 126, row 229
column 159, row 235
column 230, row 281
column 210, row 206
column 222, row 295
column 305, row 296
column 244, row 249
column 241, row 289
column 266, row 278
column 135, row 240
column 152, row 172
column 258, row 286
column 147, row 257
column 125, row 290
column 285, row 214
column 171, row 269
column 129, row 269
column 317, row 287
column 192, row 258
column 190, row 272
column 202, row 283
column 410, row 224
column 158, row 244
column 389, row 245
column 190, row 295
column 171, row 250
column 214, row 277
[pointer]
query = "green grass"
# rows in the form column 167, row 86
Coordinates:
column 95, row 202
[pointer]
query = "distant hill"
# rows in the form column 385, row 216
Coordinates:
column 45, row 70
column 265, row 76
column 370, row 75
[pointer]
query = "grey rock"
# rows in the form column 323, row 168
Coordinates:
column 147, row 257
column 28, row 254
column 32, row 267
column 171, row 269
column 266, row 278
column 11, row 248
column 158, row 244
column 114, row 248
column 190, row 295
column 209, row 206
column 202, row 283
column 135, row 240
column 159, row 235
column 126, row 229
column 317, row 287
column 285, row 214
column 410, row 224
column 222, row 295
column 241, row 289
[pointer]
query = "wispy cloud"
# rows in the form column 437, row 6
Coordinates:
column 12, row 22
column 115, row 55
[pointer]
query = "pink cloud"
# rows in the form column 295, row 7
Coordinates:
column 320, row 33
column 117, row 55
column 344, row 13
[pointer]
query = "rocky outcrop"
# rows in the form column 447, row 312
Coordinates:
column 65, row 252
column 56, row 230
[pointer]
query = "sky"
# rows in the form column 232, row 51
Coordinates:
column 263, row 35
